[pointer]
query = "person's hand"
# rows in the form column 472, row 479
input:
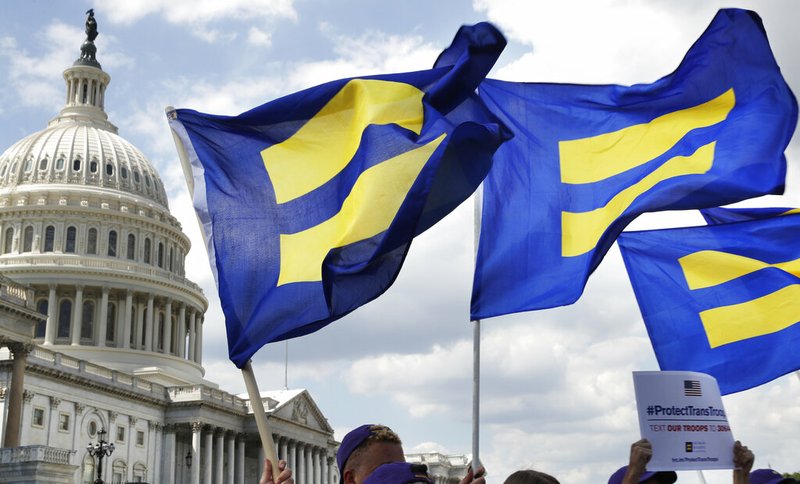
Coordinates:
column 743, row 459
column 641, row 453
column 285, row 475
column 478, row 477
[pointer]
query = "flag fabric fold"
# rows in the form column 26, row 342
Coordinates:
column 309, row 203
column 721, row 299
column 586, row 160
column 721, row 215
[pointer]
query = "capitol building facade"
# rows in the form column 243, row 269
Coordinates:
column 101, row 330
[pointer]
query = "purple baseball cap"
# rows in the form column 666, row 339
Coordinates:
column 399, row 473
column 768, row 476
column 664, row 477
column 350, row 442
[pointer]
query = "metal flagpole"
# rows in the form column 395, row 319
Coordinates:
column 702, row 477
column 247, row 371
column 476, row 350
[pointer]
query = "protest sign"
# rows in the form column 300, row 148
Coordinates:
column 681, row 414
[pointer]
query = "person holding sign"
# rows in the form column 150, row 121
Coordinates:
column 642, row 451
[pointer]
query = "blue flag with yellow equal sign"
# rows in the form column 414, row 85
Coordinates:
column 586, row 160
column 309, row 203
column 721, row 299
column 722, row 215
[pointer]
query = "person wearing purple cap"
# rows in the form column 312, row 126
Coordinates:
column 769, row 476
column 367, row 447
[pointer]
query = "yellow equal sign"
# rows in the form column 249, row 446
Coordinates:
column 757, row 317
column 323, row 147
column 590, row 160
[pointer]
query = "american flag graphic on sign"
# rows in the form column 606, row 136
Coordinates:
column 691, row 388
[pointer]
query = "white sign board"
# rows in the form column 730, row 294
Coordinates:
column 681, row 414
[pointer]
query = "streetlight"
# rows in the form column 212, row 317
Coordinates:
column 100, row 450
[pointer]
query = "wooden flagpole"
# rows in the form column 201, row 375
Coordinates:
column 256, row 404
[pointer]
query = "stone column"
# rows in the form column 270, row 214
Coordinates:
column 11, row 438
column 240, row 459
column 231, row 457
column 126, row 320
column 149, row 331
column 309, row 468
column 168, row 462
column 283, row 451
column 219, row 433
column 208, row 459
column 101, row 325
column 300, row 461
column 52, row 423
column 324, row 465
column 317, row 464
column 50, row 327
column 197, row 429
column 180, row 343
column 260, row 462
column 198, row 354
column 139, row 324
column 166, row 336
column 77, row 317
column 192, row 334
column 292, row 459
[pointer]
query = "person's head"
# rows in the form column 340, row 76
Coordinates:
column 529, row 476
column 768, row 476
column 399, row 473
column 365, row 448
column 662, row 477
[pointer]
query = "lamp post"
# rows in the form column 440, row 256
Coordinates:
column 100, row 450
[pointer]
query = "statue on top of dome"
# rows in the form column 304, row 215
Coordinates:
column 88, row 49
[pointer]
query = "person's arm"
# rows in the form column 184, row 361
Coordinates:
column 475, row 478
column 641, row 453
column 284, row 477
column 743, row 459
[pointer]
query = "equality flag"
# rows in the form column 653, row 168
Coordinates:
column 720, row 215
column 721, row 299
column 586, row 160
column 309, row 202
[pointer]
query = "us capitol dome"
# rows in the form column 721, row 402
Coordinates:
column 85, row 222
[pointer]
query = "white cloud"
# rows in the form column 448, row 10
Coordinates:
column 259, row 37
column 197, row 11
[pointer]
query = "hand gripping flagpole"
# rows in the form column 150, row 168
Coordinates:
column 476, row 349
column 256, row 404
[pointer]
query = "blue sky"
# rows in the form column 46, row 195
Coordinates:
column 556, row 391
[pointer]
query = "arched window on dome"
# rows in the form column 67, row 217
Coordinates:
column 3, row 170
column 42, row 307
column 112, row 243
column 60, row 163
column 28, row 165
column 76, row 164
column 161, row 255
column 109, row 169
column 146, row 250
column 49, row 238
column 93, row 166
column 13, row 168
column 111, row 324
column 91, row 241
column 69, row 242
column 64, row 319
column 8, row 241
column 27, row 239
column 87, row 322
column 43, row 163
column 136, row 177
column 147, row 180
column 124, row 172
column 131, row 247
